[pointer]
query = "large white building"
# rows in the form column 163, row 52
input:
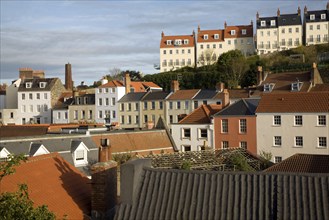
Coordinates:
column 290, row 123
column 177, row 52
column 315, row 25
column 277, row 33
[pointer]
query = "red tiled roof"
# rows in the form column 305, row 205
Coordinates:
column 150, row 84
column 23, row 130
column 320, row 88
column 201, row 115
column 211, row 36
column 183, row 94
column 238, row 31
column 113, row 83
column 54, row 182
column 190, row 38
column 303, row 163
column 294, row 102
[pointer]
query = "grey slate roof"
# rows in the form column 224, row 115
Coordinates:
column 132, row 97
column 35, row 84
column 205, row 94
column 178, row 194
column 241, row 107
column 289, row 19
column 317, row 16
column 160, row 95
column 34, row 148
column 267, row 22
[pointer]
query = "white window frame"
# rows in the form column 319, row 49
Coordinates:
column 186, row 146
column 232, row 32
column 244, row 31
column 298, row 120
column 178, row 42
column 184, row 135
column 28, row 85
column 243, row 126
column 277, row 120
column 262, row 23
column 42, row 85
column 299, row 141
column 225, row 145
column 216, row 36
column 273, row 23
column 168, row 42
column 277, row 159
column 322, row 142
column 224, row 128
column 200, row 133
column 322, row 120
column 323, row 16
column 312, row 17
column 186, row 41
column 277, row 141
column 205, row 37
column 243, row 144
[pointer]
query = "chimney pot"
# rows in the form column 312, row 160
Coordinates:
column 278, row 12
column 127, row 82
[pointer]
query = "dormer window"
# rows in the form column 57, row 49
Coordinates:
column 168, row 42
column 232, row 32
column 312, row 17
column 178, row 42
column 272, row 22
column 37, row 149
column 28, row 85
column 185, row 41
column 244, row 31
column 262, row 23
column 205, row 37
column 42, row 84
column 296, row 86
column 323, row 16
column 4, row 153
column 216, row 36
column 79, row 153
column 268, row 87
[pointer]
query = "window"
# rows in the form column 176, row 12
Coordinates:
column 28, row 85
column 170, row 51
column 45, row 107
column 136, row 106
column 186, row 104
column 38, row 95
column 177, row 51
column 225, row 145
column 243, row 125
column 31, row 108
column 170, row 105
column 298, row 141
column 90, row 114
column 283, row 31
column 42, row 84
column 232, row 32
column 297, row 30
column 185, row 42
column 318, row 27
column 214, row 46
column 243, row 144
column 277, row 120
column 161, row 105
column 129, row 106
column 171, row 119
column 208, row 46
column 178, row 104
column 107, row 101
column 272, row 22
column 145, row 105
column 153, row 105
column 65, row 115
column 186, row 148
column 229, row 42
column 164, row 52
column 220, row 46
column 196, row 104
column 189, row 51
column 203, row 133
column 268, row 33
column 323, row 16
column 244, row 31
column 205, row 36
column 80, row 155
column 113, row 114
column 298, row 120
column 11, row 114
column 277, row 159
column 23, row 96
column 38, row 108
column 145, row 118
column 136, row 119
column 45, row 96
column 312, row 17
column 76, row 114
column 262, row 23
column 224, row 125
column 129, row 119
column 216, row 36
column 322, row 120
column 100, row 114
column 178, row 42
column 183, row 51
column 23, row 108
column 122, row 106
column 290, row 30
column 277, row 141
column 322, row 142
column 30, row 96
column 122, row 119
column 311, row 27
column 100, row 101
column 186, row 133
column 83, row 114
column 168, row 42
column 113, row 101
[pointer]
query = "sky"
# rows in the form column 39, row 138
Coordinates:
column 98, row 36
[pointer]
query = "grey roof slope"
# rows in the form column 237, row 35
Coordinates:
column 241, row 107
column 289, row 19
column 156, row 95
column 34, row 148
column 35, row 84
column 317, row 15
column 205, row 94
column 267, row 22
column 132, row 97
column 178, row 194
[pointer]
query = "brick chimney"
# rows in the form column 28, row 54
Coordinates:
column 259, row 75
column 220, row 86
column 305, row 10
column 257, row 16
column 327, row 6
column 174, row 86
column 226, row 98
column 278, row 12
column 198, row 29
column 298, row 11
column 315, row 75
column 105, row 150
column 162, row 34
column 68, row 77
column 127, row 82
column 225, row 24
column 104, row 189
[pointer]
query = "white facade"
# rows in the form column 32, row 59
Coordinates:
column 2, row 101
column 193, row 137
column 106, row 103
column 9, row 116
column 288, row 137
column 316, row 33
column 11, row 95
column 60, row 116
column 34, row 107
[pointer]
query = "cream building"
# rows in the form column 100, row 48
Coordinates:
column 291, row 123
column 83, row 109
column 282, row 32
column 177, row 52
column 315, row 25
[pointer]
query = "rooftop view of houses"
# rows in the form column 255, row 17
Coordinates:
column 128, row 148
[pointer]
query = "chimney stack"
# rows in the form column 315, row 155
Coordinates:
column 68, row 77
column 225, row 24
column 104, row 189
column 327, row 6
column 257, row 16
column 174, row 86
column 305, row 10
column 226, row 98
column 315, row 75
column 162, row 34
column 259, row 75
column 278, row 12
column 104, row 80
column 298, row 10
column 127, row 82
column 198, row 28
column 220, row 86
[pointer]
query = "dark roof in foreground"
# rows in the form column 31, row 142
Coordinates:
column 132, row 97
column 241, row 107
column 303, row 163
column 178, row 194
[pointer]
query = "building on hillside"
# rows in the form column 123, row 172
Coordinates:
column 277, row 33
column 36, row 98
column 53, row 182
column 315, row 26
column 83, row 109
column 195, row 132
column 235, row 126
column 177, row 52
column 60, row 112
column 290, row 123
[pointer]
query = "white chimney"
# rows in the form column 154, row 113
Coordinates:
column 104, row 81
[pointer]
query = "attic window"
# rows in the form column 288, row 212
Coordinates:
column 312, row 17
column 216, row 36
column 168, row 42
column 185, row 41
column 272, row 22
column 263, row 23
column 105, row 142
column 28, row 85
column 296, row 86
column 232, row 32
column 323, row 16
column 80, row 155
column 244, row 31
column 178, row 42
column 268, row 87
column 42, row 84
column 205, row 37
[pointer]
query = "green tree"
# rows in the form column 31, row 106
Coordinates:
column 18, row 205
